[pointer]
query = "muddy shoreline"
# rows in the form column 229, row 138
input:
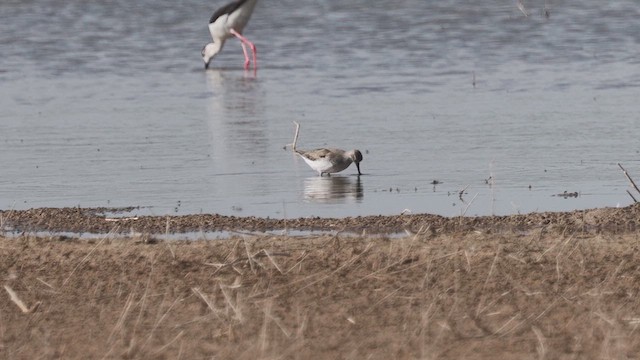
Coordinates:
column 104, row 220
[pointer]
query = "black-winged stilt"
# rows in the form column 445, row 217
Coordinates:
column 226, row 22
column 327, row 160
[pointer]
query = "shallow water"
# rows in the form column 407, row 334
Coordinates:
column 108, row 104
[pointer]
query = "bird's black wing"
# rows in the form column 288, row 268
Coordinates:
column 227, row 9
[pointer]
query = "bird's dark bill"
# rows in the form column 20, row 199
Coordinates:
column 358, row 166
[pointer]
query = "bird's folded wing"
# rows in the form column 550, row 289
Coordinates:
column 226, row 10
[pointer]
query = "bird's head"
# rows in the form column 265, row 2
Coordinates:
column 209, row 51
column 356, row 157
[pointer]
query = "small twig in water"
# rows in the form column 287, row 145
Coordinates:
column 462, row 193
column 630, row 180
column 469, row 204
column 521, row 7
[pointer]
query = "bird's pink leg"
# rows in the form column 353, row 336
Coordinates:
column 244, row 41
column 246, row 56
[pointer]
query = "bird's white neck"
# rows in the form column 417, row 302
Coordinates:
column 216, row 46
column 211, row 50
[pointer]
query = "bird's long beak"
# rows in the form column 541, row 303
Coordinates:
column 358, row 166
column 206, row 65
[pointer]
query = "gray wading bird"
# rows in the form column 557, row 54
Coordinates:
column 327, row 160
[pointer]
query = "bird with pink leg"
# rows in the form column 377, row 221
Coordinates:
column 227, row 22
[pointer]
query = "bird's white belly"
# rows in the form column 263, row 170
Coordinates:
column 218, row 29
column 323, row 165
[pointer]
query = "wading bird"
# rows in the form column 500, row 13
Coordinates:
column 226, row 22
column 327, row 161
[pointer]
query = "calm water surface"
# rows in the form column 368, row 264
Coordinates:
column 108, row 104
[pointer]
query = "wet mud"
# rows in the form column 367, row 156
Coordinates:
column 120, row 220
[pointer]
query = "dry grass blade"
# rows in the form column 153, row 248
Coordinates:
column 155, row 326
column 304, row 256
column 206, row 299
column 86, row 257
column 166, row 234
column 169, row 343
column 493, row 266
column 540, row 348
column 272, row 261
column 120, row 219
column 604, row 318
column 421, row 231
column 234, row 307
column 14, row 297
column 221, row 266
column 46, row 283
column 558, row 256
column 548, row 250
column 372, row 307
column 546, row 310
column 497, row 332
column 249, row 257
column 120, row 323
column 279, row 324
column 217, row 265
column 486, row 281
column 347, row 263
column 265, row 325
column 143, row 301
column 466, row 256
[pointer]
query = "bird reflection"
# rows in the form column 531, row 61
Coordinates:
column 230, row 88
column 333, row 189
column 235, row 119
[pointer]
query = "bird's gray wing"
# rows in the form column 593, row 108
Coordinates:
column 316, row 154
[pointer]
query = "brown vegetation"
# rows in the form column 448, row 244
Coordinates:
column 549, row 293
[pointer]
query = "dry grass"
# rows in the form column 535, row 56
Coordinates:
column 467, row 295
